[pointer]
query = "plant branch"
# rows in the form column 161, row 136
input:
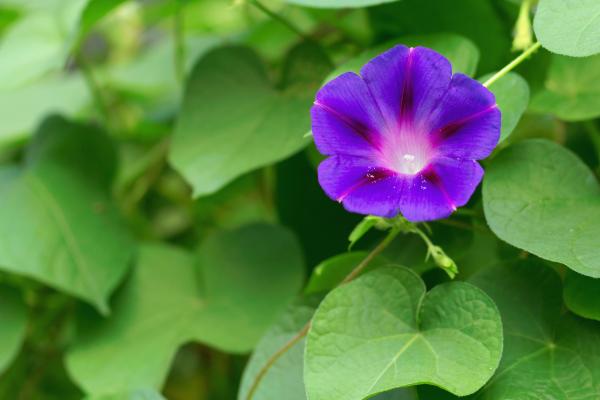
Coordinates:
column 93, row 86
column 302, row 333
column 513, row 64
column 279, row 18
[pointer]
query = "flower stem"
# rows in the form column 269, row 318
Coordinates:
column 277, row 17
column 510, row 66
column 393, row 232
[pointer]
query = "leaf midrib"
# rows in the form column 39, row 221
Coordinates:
column 66, row 233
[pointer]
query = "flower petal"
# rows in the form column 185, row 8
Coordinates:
column 466, row 124
column 360, row 186
column 345, row 118
column 407, row 83
column 442, row 187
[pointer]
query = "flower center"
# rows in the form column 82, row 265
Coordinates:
column 408, row 153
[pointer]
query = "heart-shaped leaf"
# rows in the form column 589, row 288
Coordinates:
column 234, row 119
column 221, row 298
column 13, row 319
column 571, row 28
column 61, row 200
column 540, row 197
column 512, row 97
column 581, row 295
column 285, row 380
column 382, row 331
column 571, row 90
column 547, row 354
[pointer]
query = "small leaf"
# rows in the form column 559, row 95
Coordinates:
column 361, row 229
column 512, row 97
column 331, row 272
column 61, row 200
column 226, row 297
column 581, row 295
column 571, row 90
column 547, row 354
column 566, row 27
column 13, row 320
column 540, row 197
column 234, row 120
column 382, row 332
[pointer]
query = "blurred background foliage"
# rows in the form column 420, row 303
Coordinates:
column 123, row 65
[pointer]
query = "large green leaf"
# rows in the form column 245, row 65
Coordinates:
column 581, row 295
column 13, row 319
column 382, row 332
column 234, row 119
column 57, row 222
column 284, row 379
column 566, row 27
column 512, row 97
column 226, row 298
column 571, row 90
column 540, row 197
column 547, row 354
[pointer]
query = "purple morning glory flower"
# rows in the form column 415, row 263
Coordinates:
column 404, row 136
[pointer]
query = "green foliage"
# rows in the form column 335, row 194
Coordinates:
column 367, row 337
column 141, row 394
column 581, row 295
column 13, row 317
column 512, row 96
column 571, row 90
column 330, row 273
column 542, row 198
column 60, row 196
column 474, row 19
column 216, row 142
column 569, row 27
column 338, row 3
column 547, row 354
column 219, row 297
column 285, row 378
column 461, row 52
column 159, row 199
